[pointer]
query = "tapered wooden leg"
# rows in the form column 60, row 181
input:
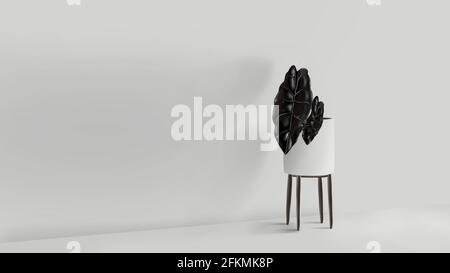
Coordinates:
column 330, row 200
column 298, row 201
column 288, row 200
column 321, row 200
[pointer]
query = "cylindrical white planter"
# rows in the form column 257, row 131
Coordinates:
column 315, row 159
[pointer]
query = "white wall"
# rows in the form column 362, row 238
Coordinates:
column 86, row 94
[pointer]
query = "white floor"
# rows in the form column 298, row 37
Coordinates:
column 395, row 230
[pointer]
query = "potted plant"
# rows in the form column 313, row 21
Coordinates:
column 311, row 155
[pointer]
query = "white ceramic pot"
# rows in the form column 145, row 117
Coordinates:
column 315, row 159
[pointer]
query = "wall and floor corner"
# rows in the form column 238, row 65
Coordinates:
column 86, row 93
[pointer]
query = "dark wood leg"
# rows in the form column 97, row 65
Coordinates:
column 298, row 201
column 330, row 200
column 321, row 200
column 288, row 200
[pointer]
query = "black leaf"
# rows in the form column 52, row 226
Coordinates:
column 314, row 121
column 294, row 101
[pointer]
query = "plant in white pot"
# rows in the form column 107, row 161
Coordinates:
column 312, row 154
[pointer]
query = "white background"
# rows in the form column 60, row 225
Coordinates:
column 86, row 93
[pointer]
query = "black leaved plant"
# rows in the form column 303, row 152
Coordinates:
column 297, row 110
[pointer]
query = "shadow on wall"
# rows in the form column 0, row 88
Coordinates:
column 223, row 171
column 104, row 157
